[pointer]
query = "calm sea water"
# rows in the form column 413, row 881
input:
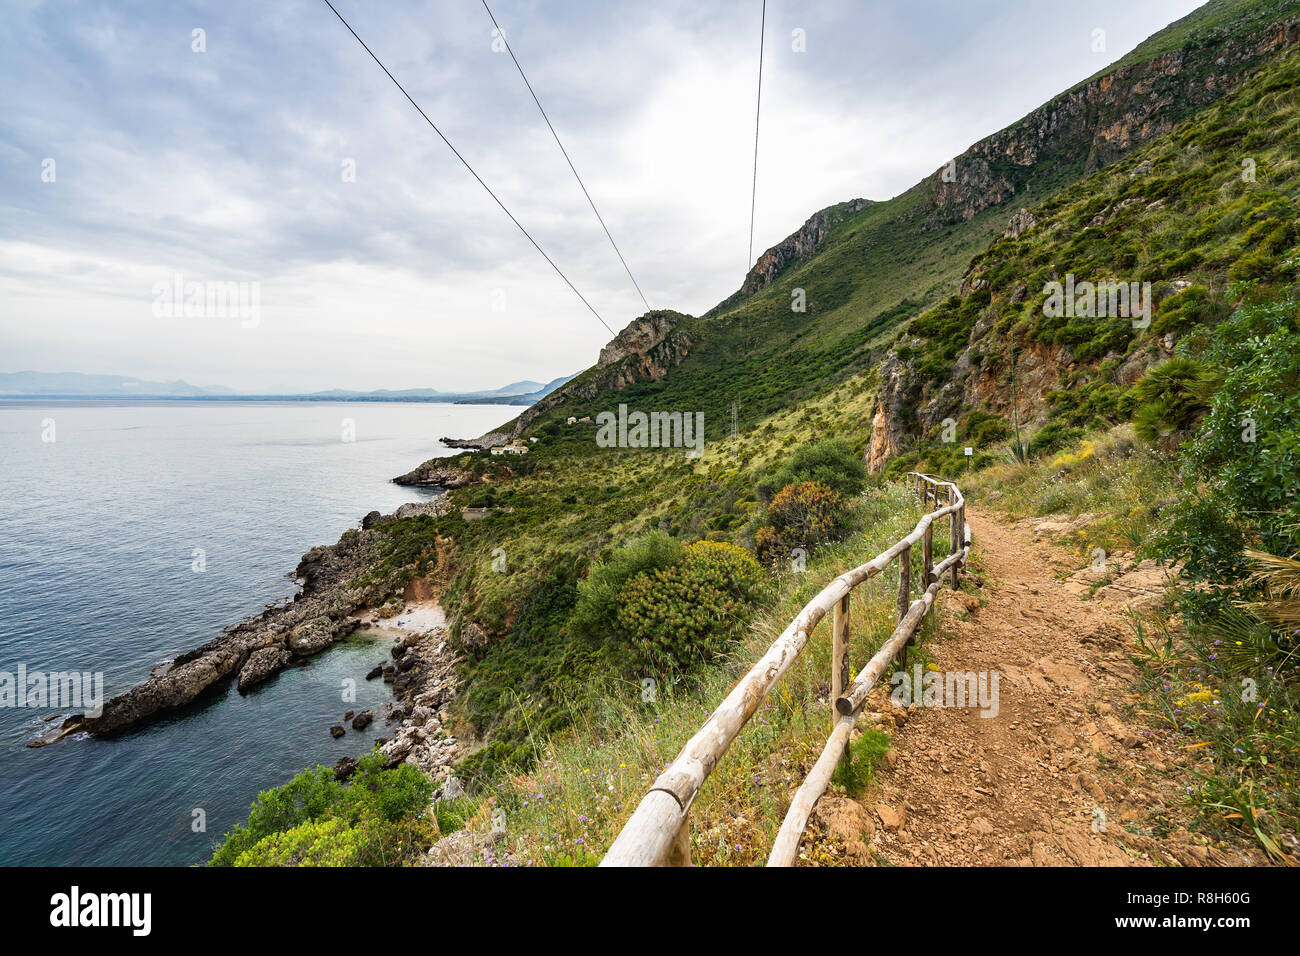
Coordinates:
column 98, row 532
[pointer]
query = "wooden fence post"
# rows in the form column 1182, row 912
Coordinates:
column 840, row 672
column 905, row 594
column 957, row 534
column 927, row 555
column 904, row 581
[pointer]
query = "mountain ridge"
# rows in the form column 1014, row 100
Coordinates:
column 63, row 385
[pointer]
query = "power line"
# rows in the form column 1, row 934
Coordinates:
column 502, row 34
column 758, row 112
column 466, row 164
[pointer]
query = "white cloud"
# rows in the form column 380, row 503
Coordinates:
column 225, row 166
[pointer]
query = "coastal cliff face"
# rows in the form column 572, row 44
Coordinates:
column 798, row 246
column 1095, row 124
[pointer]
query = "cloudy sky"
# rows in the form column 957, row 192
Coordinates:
column 228, row 164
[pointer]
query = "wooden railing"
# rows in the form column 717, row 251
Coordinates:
column 658, row 832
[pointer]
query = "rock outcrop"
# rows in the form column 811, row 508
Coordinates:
column 799, row 245
column 435, row 473
column 1098, row 121
column 261, row 646
column 643, row 351
column 262, row 664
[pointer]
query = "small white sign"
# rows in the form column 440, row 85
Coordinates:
column 969, row 452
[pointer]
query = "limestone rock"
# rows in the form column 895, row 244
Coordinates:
column 262, row 664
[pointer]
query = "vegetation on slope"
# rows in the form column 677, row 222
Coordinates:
column 571, row 738
column 1213, row 203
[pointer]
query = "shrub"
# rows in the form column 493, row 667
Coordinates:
column 373, row 806
column 832, row 462
column 1171, row 398
column 370, row 841
column 808, row 513
column 1052, row 437
column 598, row 593
column 1070, row 461
column 678, row 617
column 1195, row 305
column 1245, row 460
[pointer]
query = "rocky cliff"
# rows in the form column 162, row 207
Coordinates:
column 798, row 246
column 643, row 351
column 1096, row 123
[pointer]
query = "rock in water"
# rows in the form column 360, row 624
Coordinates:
column 311, row 637
column 263, row 664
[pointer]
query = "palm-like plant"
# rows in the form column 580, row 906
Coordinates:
column 1280, row 579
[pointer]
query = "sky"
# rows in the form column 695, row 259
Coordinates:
column 138, row 156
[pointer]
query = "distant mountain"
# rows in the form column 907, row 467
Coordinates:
column 76, row 384
column 505, row 397
column 520, row 388
column 79, row 385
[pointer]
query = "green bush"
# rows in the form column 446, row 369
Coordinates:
column 368, row 808
column 598, row 593
column 332, row 841
column 831, row 462
column 1053, row 436
column 679, row 617
column 1171, row 398
column 1195, row 305
column 1245, row 460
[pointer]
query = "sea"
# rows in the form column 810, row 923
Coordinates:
column 133, row 531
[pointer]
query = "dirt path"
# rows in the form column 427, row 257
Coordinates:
column 1060, row 776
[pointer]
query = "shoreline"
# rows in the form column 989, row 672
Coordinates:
column 328, row 608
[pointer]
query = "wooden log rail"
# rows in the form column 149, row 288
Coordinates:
column 658, row 832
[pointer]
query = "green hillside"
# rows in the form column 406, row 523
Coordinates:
column 623, row 564
column 794, row 378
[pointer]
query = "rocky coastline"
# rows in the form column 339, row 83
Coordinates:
column 422, row 671
column 338, row 588
column 436, row 473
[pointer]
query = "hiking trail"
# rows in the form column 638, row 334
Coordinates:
column 1065, row 773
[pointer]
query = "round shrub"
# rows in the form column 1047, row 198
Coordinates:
column 808, row 513
column 680, row 616
column 598, row 593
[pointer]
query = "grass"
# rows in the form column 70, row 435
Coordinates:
column 591, row 775
column 1126, row 484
